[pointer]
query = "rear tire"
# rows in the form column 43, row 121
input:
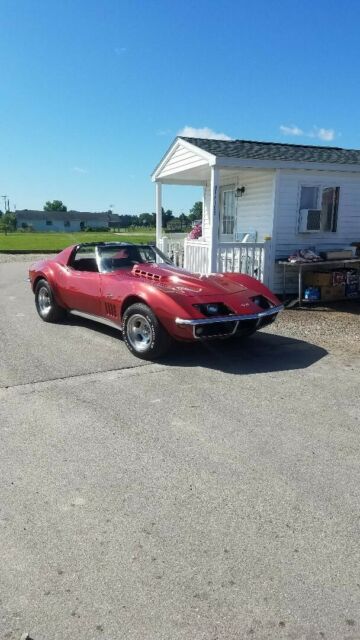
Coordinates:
column 143, row 334
column 45, row 303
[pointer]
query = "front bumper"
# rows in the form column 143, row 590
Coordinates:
column 229, row 325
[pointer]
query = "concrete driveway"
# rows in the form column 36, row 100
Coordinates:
column 213, row 496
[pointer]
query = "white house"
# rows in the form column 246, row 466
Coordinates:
column 60, row 220
column 262, row 200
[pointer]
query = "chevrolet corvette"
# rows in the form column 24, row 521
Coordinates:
column 150, row 300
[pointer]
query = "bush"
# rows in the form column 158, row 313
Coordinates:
column 99, row 229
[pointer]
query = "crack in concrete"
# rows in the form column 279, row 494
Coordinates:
column 75, row 375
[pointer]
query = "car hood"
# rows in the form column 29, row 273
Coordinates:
column 179, row 281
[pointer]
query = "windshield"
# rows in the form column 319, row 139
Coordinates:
column 115, row 257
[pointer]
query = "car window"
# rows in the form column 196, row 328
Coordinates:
column 118, row 257
column 85, row 260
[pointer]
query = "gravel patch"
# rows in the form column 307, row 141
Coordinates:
column 335, row 327
column 27, row 258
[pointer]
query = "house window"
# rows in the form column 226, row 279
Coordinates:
column 66, row 223
column 325, row 199
column 49, row 223
column 228, row 212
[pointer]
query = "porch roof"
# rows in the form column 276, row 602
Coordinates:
column 188, row 160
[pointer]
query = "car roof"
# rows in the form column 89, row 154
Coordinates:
column 112, row 244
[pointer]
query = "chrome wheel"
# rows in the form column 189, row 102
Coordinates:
column 139, row 332
column 44, row 301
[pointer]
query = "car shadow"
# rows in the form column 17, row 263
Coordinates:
column 261, row 353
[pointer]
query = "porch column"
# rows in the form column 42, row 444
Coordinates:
column 158, row 213
column 214, row 219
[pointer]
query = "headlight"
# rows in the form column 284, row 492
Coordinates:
column 212, row 309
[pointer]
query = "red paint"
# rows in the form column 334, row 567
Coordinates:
column 169, row 291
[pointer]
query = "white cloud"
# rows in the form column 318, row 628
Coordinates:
column 292, row 130
column 322, row 134
column 319, row 133
column 79, row 170
column 202, row 132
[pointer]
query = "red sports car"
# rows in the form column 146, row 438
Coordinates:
column 137, row 288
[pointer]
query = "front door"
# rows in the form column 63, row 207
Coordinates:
column 227, row 213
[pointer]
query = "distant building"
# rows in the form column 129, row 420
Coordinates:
column 60, row 220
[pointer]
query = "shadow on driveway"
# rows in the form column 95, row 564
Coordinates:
column 262, row 353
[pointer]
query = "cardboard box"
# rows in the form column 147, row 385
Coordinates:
column 352, row 277
column 333, row 293
column 352, row 290
column 318, row 278
column 338, row 278
column 340, row 254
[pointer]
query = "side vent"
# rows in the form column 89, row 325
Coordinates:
column 146, row 274
column 110, row 309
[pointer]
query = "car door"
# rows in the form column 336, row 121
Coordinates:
column 81, row 291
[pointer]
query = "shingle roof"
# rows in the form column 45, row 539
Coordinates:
column 28, row 214
column 248, row 149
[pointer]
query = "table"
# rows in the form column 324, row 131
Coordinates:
column 300, row 266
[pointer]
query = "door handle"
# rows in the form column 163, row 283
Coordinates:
column 109, row 295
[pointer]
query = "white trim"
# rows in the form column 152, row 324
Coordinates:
column 214, row 219
column 178, row 143
column 199, row 152
column 276, row 189
column 223, row 163
column 158, row 209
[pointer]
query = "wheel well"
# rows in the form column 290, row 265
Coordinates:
column 37, row 280
column 129, row 301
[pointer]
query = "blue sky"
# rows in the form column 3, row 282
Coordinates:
column 93, row 91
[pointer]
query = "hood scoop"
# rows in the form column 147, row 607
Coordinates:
column 146, row 273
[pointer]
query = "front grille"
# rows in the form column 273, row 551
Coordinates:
column 215, row 330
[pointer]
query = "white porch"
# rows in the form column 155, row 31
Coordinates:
column 237, row 219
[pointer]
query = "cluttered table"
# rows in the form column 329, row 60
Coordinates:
column 319, row 267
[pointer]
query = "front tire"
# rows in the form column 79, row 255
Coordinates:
column 143, row 334
column 45, row 303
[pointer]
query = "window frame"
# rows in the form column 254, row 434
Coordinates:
column 321, row 187
column 224, row 189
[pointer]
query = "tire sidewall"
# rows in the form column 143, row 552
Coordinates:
column 54, row 312
column 153, row 329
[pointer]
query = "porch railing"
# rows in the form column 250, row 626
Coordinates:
column 251, row 258
column 248, row 257
column 174, row 249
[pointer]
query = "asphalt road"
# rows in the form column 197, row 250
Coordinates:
column 213, row 496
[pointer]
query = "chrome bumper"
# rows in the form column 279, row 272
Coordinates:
column 251, row 316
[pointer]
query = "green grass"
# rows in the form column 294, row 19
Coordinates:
column 57, row 241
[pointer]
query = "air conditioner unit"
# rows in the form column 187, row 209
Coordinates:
column 310, row 220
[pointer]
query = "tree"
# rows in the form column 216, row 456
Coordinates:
column 166, row 217
column 196, row 211
column 145, row 219
column 8, row 222
column 55, row 205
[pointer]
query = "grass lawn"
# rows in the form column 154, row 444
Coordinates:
column 57, row 241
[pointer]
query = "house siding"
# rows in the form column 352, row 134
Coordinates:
column 254, row 210
column 286, row 236
column 181, row 160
